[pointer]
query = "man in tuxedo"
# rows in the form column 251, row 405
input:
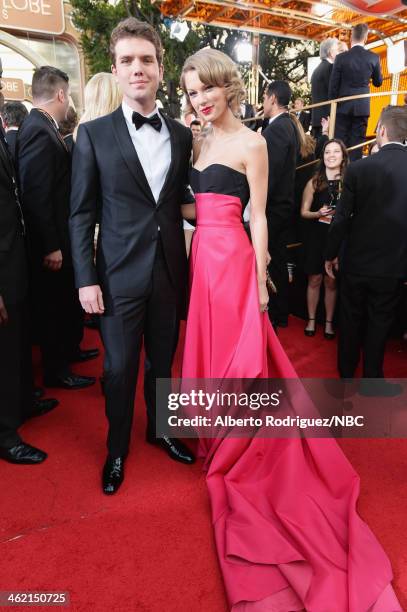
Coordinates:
column 371, row 222
column 283, row 149
column 247, row 112
column 351, row 75
column 320, row 84
column 13, row 115
column 304, row 117
column 16, row 382
column 134, row 164
column 44, row 166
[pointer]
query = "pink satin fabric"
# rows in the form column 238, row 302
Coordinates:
column 284, row 510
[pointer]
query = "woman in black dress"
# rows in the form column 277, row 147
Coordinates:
column 318, row 207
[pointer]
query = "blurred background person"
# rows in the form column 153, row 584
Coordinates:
column 320, row 83
column 13, row 115
column 351, row 74
column 318, row 207
column 342, row 46
column 196, row 128
column 67, row 127
column 304, row 116
column 102, row 96
column 247, row 112
column 44, row 169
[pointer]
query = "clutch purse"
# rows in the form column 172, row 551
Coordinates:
column 269, row 283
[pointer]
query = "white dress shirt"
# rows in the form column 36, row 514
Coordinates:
column 153, row 149
column 275, row 116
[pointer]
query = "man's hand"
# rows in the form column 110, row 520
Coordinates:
column 3, row 312
column 91, row 299
column 331, row 267
column 53, row 261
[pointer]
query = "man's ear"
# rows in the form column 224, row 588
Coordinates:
column 161, row 72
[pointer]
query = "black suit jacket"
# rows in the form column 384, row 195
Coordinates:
column 11, row 137
column 108, row 176
column 249, row 112
column 319, row 91
column 305, row 119
column 371, row 216
column 13, row 273
column 44, row 169
column 351, row 75
column 283, row 150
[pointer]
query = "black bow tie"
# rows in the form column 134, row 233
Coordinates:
column 139, row 120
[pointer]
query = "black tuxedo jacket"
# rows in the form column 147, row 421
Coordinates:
column 319, row 91
column 13, row 274
column 371, row 216
column 351, row 75
column 283, row 149
column 44, row 169
column 108, row 179
column 11, row 138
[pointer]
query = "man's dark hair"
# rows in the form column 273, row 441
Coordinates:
column 281, row 90
column 359, row 32
column 46, row 82
column 195, row 122
column 394, row 118
column 133, row 28
column 14, row 113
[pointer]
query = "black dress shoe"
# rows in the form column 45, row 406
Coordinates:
column 174, row 448
column 23, row 454
column 378, row 387
column 82, row 356
column 70, row 381
column 38, row 392
column 42, row 406
column 113, row 474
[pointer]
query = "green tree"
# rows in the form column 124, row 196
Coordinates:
column 279, row 58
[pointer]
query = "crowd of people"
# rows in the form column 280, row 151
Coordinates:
column 124, row 180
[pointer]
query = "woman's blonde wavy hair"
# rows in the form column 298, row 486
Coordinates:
column 217, row 69
column 102, row 97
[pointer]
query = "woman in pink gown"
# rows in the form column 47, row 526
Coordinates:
column 284, row 510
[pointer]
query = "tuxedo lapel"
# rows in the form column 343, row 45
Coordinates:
column 129, row 153
column 174, row 157
column 52, row 129
column 5, row 155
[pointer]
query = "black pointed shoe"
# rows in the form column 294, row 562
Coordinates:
column 23, row 454
column 174, row 448
column 84, row 355
column 113, row 474
column 42, row 406
column 70, row 381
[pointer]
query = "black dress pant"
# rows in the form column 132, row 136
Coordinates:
column 59, row 317
column 16, row 381
column 352, row 131
column 367, row 310
column 278, row 305
column 124, row 324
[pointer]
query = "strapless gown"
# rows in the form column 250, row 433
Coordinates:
column 284, row 510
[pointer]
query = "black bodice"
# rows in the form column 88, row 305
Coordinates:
column 218, row 178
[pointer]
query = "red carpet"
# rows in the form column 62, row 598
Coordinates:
column 150, row 548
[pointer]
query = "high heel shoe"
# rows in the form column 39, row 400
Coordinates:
column 329, row 335
column 309, row 332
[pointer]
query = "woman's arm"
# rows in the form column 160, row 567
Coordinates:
column 257, row 176
column 307, row 198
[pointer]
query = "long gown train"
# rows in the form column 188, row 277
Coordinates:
column 284, row 510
